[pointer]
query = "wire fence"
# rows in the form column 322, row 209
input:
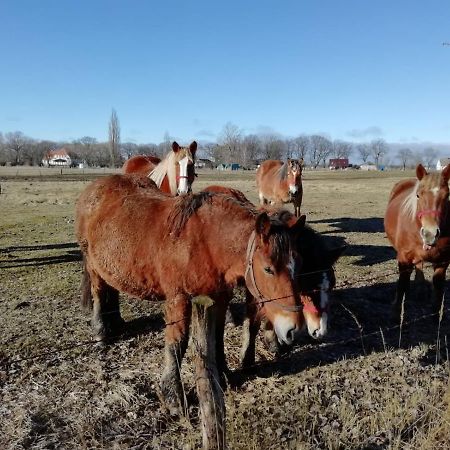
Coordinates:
column 8, row 362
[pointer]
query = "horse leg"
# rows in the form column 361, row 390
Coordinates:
column 439, row 286
column 250, row 329
column 402, row 291
column 298, row 201
column 106, row 319
column 420, row 282
column 178, row 318
column 221, row 303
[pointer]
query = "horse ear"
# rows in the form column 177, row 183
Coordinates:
column 420, row 172
column 175, row 146
column 299, row 224
column 445, row 174
column 335, row 253
column 193, row 147
column 263, row 225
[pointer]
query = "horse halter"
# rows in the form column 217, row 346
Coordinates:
column 429, row 212
column 252, row 286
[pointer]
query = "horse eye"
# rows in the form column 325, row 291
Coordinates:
column 417, row 195
column 268, row 270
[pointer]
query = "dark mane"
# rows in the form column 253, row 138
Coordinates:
column 184, row 208
column 279, row 242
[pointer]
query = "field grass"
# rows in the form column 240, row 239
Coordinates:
column 362, row 388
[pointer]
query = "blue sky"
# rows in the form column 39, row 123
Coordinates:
column 351, row 69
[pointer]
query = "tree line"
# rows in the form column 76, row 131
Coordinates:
column 231, row 146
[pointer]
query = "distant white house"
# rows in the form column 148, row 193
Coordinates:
column 368, row 167
column 57, row 158
column 442, row 162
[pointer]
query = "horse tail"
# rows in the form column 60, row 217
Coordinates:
column 86, row 294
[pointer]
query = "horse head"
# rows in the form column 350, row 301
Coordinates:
column 294, row 175
column 270, row 276
column 184, row 160
column 431, row 206
column 317, row 279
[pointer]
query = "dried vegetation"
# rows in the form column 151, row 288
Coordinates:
column 365, row 387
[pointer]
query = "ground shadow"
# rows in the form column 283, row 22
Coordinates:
column 361, row 323
column 29, row 248
column 371, row 254
column 353, row 225
column 69, row 256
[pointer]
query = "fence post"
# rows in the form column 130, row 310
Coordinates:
column 210, row 394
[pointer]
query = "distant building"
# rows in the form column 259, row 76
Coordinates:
column 338, row 163
column 368, row 167
column 57, row 158
column 442, row 162
column 232, row 166
column 203, row 163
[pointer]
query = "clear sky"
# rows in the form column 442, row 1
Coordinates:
column 353, row 69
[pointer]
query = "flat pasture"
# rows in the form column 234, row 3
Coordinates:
column 370, row 384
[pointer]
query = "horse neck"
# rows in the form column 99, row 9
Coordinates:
column 230, row 234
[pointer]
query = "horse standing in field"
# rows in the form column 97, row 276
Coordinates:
column 173, row 175
column 417, row 223
column 136, row 239
column 314, row 270
column 280, row 182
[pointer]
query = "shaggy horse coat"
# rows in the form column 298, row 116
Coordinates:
column 417, row 224
column 314, row 270
column 280, row 182
column 173, row 175
column 138, row 240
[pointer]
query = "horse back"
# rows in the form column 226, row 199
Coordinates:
column 141, row 164
column 268, row 181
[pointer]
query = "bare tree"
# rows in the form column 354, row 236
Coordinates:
column 430, row 157
column 320, row 149
column 300, row 146
column 15, row 142
column 378, row 148
column 342, row 149
column 272, row 146
column 405, row 156
column 251, row 148
column 230, row 140
column 364, row 152
column 114, row 139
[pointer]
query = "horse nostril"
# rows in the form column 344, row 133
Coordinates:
column 438, row 232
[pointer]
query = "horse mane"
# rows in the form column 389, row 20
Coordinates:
column 184, row 208
column 283, row 171
column 167, row 166
column 409, row 205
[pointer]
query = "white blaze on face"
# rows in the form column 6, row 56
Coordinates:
column 293, row 188
column 291, row 266
column 324, row 287
column 284, row 328
column 435, row 190
column 182, row 180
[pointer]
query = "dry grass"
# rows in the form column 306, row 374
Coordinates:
column 357, row 390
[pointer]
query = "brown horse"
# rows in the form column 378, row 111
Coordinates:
column 314, row 270
column 418, row 225
column 173, row 175
column 280, row 182
column 136, row 239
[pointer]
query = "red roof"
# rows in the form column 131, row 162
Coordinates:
column 59, row 153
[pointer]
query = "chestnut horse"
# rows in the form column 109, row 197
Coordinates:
column 316, row 277
column 418, row 226
column 136, row 239
column 173, row 175
column 280, row 182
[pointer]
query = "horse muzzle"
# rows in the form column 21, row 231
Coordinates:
column 429, row 236
column 285, row 329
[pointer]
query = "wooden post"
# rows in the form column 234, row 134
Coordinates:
column 210, row 394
